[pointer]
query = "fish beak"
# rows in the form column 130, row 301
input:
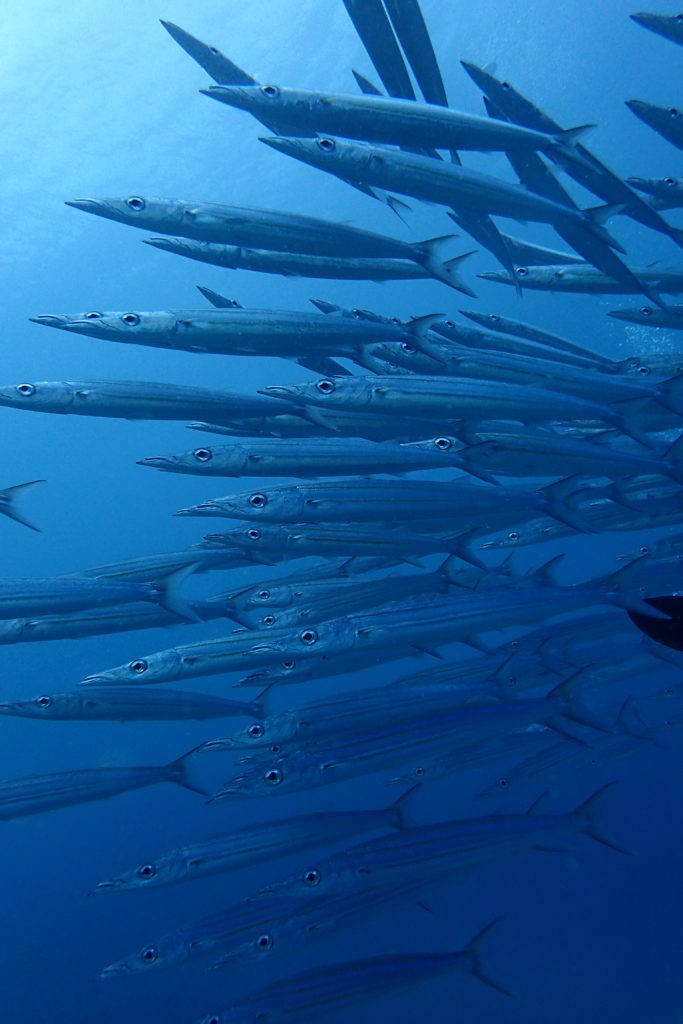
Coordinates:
column 157, row 462
column 105, row 887
column 207, row 508
column 619, row 314
column 90, row 680
column 114, row 970
column 91, row 205
column 276, row 391
column 494, row 275
column 161, row 243
column 230, row 94
column 289, row 146
column 50, row 320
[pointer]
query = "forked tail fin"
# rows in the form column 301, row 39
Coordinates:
column 587, row 814
column 476, row 951
column 7, row 507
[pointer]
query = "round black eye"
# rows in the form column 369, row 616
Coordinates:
column 150, row 954
column 521, row 271
column 515, row 644
column 44, row 702
column 327, row 145
column 357, row 314
column 513, row 535
column 419, row 770
column 275, row 749
column 273, row 777
column 268, row 620
column 673, row 112
column 139, row 666
column 505, row 85
column 671, row 182
column 254, row 534
column 325, row 387
column 646, row 310
column 270, row 90
column 26, row 389
column 395, row 320
column 503, row 783
column 449, row 323
column 408, row 348
column 212, row 1020
column 289, row 665
column 94, row 315
column 256, row 730
column 443, row 444
column 644, row 371
column 203, row 454
column 263, row 595
column 131, row 319
column 258, row 500
column 135, row 203
column 308, row 636
column 645, row 550
column 312, row 877
column 147, row 871
column 494, row 317
column 264, row 942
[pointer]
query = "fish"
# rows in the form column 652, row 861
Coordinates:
column 128, row 704
column 409, row 25
column 668, row 25
column 308, row 995
column 495, row 322
column 37, row 794
column 438, row 182
column 310, row 457
column 260, row 842
column 587, row 280
column 347, row 268
column 212, row 60
column 128, row 399
column 666, row 193
column 531, row 255
column 370, row 21
column 670, row 318
column 380, row 119
column 8, row 507
column 263, row 229
column 666, row 121
column 34, row 597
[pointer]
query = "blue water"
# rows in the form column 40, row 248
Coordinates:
column 97, row 100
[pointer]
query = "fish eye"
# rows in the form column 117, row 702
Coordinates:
column 131, row 319
column 673, row 112
column 273, row 777
column 513, row 535
column 357, row 313
column 325, row 387
column 503, row 783
column 419, row 771
column 308, row 636
column 44, row 701
column 275, row 749
column 150, row 954
column 94, row 315
column 270, row 90
column 449, row 323
column 256, row 730
column 646, row 310
column 443, row 444
column 327, row 145
column 254, row 534
column 289, row 665
column 264, row 942
column 644, row 371
column 202, row 454
column 505, row 85
column 515, row 644
column 213, row 1019
column 494, row 318
column 263, row 595
column 135, row 203
column 268, row 620
column 26, row 389
column 138, row 666
column 146, row 871
column 521, row 271
column 408, row 348
column 645, row 550
column 671, row 182
column 396, row 320
column 258, row 500
column 312, row 877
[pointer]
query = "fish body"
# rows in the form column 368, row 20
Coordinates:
column 668, row 25
column 128, row 704
column 588, row 280
column 666, row 121
column 670, row 319
column 666, row 193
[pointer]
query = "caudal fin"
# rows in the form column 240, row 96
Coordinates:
column 398, row 812
column 445, row 272
column 476, row 952
column 7, row 507
column 169, row 596
column 587, row 814
column 180, row 768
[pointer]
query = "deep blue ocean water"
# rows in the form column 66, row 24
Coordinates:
column 97, row 100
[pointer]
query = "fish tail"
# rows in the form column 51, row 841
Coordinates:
column 624, row 585
column 629, row 722
column 671, row 397
column 569, row 691
column 555, row 500
column 179, row 771
column 398, row 811
column 594, row 221
column 476, row 951
column 448, row 272
column 169, row 593
column 587, row 814
column 7, row 507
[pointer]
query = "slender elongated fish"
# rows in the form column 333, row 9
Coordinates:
column 32, row 597
column 130, row 399
column 310, row 995
column 380, row 119
column 243, row 332
column 260, row 842
column 668, row 25
column 306, row 457
column 409, row 25
column 588, row 171
column 667, row 193
column 8, row 507
column 150, row 567
column 666, row 121
column 438, row 182
column 647, row 316
column 39, row 793
column 588, row 280
column 212, row 60
column 290, row 264
column 128, row 704
column 263, row 229
column 370, row 21
column 495, row 322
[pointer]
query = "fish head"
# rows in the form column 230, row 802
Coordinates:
column 265, row 596
column 284, row 505
column 323, row 639
column 171, row 867
column 327, row 392
column 199, row 460
column 45, row 705
column 168, row 951
column 341, row 158
column 444, row 444
column 639, row 315
column 120, row 326
column 163, row 215
column 154, row 668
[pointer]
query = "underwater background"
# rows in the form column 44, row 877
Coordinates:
column 97, row 100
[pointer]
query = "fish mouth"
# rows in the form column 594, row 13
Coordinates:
column 157, row 462
column 230, row 94
column 619, row 314
column 495, row 275
column 276, row 391
column 114, row 970
column 84, row 204
column 207, row 508
column 163, row 243
column 50, row 319
column 110, row 886
column 95, row 681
